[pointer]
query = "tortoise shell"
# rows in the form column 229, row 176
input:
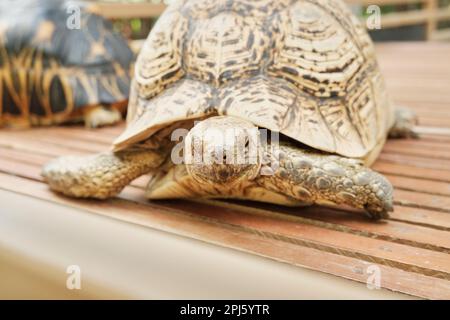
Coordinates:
column 305, row 68
column 50, row 70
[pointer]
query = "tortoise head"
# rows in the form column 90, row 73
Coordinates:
column 223, row 151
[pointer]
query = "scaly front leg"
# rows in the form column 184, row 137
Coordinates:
column 319, row 178
column 100, row 176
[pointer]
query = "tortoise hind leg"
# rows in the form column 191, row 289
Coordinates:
column 324, row 179
column 405, row 121
column 99, row 176
column 101, row 116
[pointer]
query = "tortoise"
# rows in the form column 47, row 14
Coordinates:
column 304, row 70
column 61, row 62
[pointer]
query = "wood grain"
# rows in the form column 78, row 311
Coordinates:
column 412, row 249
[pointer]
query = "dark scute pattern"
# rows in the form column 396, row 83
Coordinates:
column 115, row 45
column 81, row 97
column 8, row 103
column 35, row 104
column 124, row 86
column 72, row 50
column 58, row 102
column 104, row 94
column 71, row 46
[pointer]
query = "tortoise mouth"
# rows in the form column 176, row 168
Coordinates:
column 222, row 174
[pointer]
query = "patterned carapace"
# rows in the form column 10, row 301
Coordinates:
column 305, row 68
column 52, row 67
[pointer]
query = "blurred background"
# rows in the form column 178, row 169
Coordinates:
column 401, row 20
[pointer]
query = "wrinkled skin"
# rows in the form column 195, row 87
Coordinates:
column 304, row 176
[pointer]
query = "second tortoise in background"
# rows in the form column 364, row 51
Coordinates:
column 60, row 62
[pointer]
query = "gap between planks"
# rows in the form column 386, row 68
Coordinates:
column 274, row 247
column 32, row 171
column 436, row 189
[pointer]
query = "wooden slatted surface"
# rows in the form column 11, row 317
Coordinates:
column 412, row 249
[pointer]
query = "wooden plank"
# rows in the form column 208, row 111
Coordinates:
column 427, row 16
column 412, row 248
column 443, row 13
column 18, row 156
column 428, row 186
column 420, row 162
column 410, row 215
column 421, row 200
column 179, row 223
column 42, row 137
column 81, row 133
column 20, row 169
column 348, row 222
column 277, row 226
column 418, row 148
column 404, row 183
column 398, row 48
column 129, row 10
column 89, row 143
column 435, row 137
column 420, row 185
column 32, row 172
column 412, row 17
column 38, row 147
column 59, row 145
column 411, row 171
column 441, row 35
column 423, row 217
column 430, row 6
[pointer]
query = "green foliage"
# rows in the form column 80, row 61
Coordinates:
column 136, row 25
